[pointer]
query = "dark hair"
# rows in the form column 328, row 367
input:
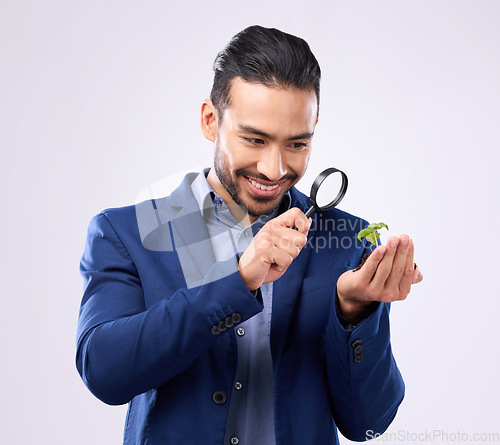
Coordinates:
column 267, row 56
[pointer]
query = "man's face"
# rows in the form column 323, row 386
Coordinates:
column 263, row 144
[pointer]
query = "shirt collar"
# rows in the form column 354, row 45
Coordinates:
column 203, row 192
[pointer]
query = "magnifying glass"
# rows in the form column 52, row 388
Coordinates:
column 318, row 199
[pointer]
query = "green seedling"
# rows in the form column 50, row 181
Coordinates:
column 371, row 234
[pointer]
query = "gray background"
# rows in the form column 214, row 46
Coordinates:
column 98, row 100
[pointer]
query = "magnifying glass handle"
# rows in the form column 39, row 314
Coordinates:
column 310, row 211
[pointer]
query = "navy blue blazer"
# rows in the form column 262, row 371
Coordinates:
column 165, row 343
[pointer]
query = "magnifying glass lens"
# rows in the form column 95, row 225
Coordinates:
column 329, row 189
column 330, row 182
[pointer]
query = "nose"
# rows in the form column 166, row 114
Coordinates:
column 272, row 163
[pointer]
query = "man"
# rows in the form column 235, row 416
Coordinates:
column 223, row 315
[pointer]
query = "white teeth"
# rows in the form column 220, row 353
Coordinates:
column 263, row 187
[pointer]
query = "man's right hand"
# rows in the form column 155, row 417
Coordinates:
column 274, row 248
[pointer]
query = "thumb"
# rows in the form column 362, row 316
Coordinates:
column 371, row 264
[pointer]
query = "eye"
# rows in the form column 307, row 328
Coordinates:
column 254, row 141
column 298, row 145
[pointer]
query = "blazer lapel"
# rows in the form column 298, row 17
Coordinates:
column 190, row 234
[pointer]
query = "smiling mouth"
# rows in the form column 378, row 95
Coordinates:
column 262, row 186
column 263, row 191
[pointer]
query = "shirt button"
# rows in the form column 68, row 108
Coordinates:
column 247, row 232
column 238, row 386
column 235, row 440
column 240, row 332
column 357, row 350
column 219, row 397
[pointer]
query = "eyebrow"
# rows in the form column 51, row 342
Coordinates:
column 252, row 130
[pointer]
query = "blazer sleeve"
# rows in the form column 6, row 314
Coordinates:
column 366, row 387
column 124, row 349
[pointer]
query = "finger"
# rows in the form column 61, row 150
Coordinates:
column 407, row 278
column 290, row 243
column 263, row 240
column 385, row 266
column 302, row 223
column 294, row 217
column 370, row 267
column 399, row 265
column 280, row 259
column 284, row 236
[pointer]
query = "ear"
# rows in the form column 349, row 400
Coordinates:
column 208, row 120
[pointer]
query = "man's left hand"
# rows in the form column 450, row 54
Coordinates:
column 386, row 276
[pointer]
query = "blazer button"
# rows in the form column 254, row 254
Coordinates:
column 219, row 397
column 229, row 322
column 215, row 330
column 222, row 325
column 236, row 317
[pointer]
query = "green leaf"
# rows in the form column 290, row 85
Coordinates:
column 370, row 232
column 363, row 233
column 373, row 237
column 377, row 226
column 383, row 225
